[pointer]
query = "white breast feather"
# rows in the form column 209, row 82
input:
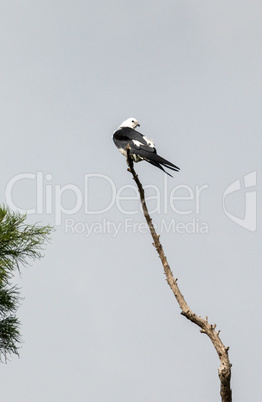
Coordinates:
column 149, row 142
column 137, row 143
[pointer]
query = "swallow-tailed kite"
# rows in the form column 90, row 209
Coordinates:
column 141, row 147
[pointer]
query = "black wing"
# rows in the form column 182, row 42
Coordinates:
column 156, row 160
column 126, row 135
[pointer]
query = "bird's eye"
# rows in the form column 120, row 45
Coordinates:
column 133, row 121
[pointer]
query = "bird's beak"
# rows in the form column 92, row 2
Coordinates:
column 138, row 125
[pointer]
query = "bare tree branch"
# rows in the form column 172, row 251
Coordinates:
column 224, row 370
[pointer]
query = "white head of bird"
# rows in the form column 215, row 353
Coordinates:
column 131, row 122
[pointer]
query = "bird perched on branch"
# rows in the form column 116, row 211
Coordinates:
column 141, row 147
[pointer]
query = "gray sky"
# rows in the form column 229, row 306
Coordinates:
column 99, row 321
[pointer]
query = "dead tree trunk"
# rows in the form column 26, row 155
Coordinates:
column 224, row 371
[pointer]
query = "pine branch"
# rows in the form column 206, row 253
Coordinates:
column 224, row 370
column 18, row 243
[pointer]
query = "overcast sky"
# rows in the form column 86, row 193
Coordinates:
column 99, row 322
